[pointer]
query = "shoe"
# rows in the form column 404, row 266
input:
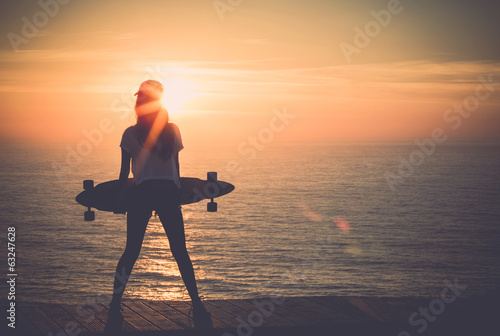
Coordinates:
column 201, row 317
column 115, row 321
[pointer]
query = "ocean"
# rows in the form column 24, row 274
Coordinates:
column 305, row 219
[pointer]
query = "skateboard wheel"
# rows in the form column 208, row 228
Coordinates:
column 212, row 176
column 88, row 184
column 89, row 216
column 212, row 206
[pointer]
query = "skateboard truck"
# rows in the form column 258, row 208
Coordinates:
column 212, row 206
column 88, row 215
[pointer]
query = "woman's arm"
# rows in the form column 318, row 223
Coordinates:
column 177, row 164
column 124, row 172
column 125, row 168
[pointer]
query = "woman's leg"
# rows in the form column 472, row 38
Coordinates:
column 137, row 221
column 173, row 223
column 174, row 227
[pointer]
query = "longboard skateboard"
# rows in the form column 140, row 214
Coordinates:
column 104, row 196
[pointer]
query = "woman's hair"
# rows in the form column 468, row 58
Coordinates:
column 154, row 131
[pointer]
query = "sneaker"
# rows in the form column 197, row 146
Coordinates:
column 115, row 321
column 201, row 317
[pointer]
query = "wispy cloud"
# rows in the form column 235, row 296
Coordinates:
column 250, row 41
column 403, row 80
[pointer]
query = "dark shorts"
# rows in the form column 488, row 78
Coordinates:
column 156, row 195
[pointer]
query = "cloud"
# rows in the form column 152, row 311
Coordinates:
column 112, row 70
column 250, row 41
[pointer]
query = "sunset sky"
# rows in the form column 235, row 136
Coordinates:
column 228, row 68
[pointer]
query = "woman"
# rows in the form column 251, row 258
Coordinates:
column 153, row 146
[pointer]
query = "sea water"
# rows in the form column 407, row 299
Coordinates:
column 305, row 219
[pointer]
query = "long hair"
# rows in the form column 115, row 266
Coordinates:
column 154, row 132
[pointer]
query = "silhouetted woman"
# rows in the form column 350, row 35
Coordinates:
column 153, row 146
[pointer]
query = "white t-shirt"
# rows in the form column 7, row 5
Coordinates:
column 147, row 165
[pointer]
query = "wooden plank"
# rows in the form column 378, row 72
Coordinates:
column 153, row 316
column 388, row 312
column 330, row 316
column 225, row 319
column 185, row 308
column 24, row 327
column 401, row 305
column 463, row 311
column 295, row 318
column 242, row 313
column 84, row 317
column 295, row 313
column 42, row 322
column 171, row 313
column 362, row 305
column 485, row 309
column 136, row 320
column 469, row 310
column 270, row 319
column 312, row 318
column 63, row 319
column 233, row 311
column 102, row 314
column 343, row 306
column 415, row 303
column 23, row 324
column 241, row 310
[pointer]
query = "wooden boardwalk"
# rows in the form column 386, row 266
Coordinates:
column 310, row 316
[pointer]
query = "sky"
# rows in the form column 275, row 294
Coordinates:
column 329, row 70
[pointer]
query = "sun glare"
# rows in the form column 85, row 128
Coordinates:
column 178, row 92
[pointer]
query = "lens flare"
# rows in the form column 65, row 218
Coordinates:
column 311, row 214
column 342, row 224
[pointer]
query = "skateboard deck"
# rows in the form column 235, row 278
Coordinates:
column 104, row 196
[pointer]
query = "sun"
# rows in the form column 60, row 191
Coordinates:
column 179, row 92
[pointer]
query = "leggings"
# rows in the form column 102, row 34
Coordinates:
column 162, row 196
